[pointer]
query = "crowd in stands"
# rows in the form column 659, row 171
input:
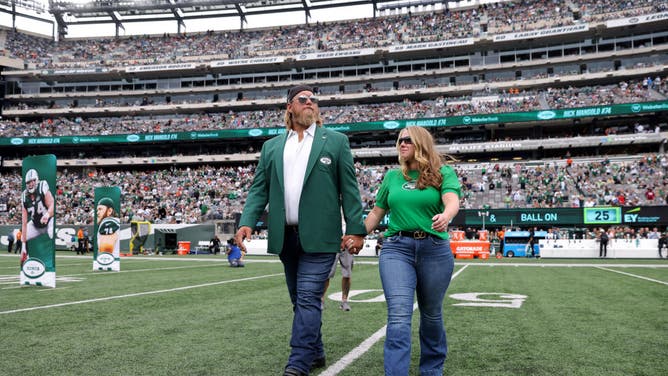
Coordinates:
column 195, row 195
column 381, row 31
column 522, row 100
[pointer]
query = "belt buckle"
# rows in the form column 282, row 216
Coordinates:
column 419, row 235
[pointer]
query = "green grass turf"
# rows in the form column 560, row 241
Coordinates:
column 196, row 316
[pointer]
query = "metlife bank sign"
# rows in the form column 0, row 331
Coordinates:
column 646, row 215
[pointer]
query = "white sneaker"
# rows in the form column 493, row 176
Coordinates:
column 345, row 306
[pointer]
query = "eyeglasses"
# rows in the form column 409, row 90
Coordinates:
column 303, row 98
column 406, row 140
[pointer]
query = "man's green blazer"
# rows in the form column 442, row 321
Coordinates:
column 330, row 184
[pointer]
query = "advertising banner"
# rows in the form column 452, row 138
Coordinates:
column 452, row 121
column 38, row 218
column 106, row 229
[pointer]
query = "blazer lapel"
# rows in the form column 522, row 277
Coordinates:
column 279, row 161
column 319, row 140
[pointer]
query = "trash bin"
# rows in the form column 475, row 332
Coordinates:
column 183, row 248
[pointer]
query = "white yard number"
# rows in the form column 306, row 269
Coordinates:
column 490, row 299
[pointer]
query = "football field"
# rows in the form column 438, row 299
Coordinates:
column 194, row 315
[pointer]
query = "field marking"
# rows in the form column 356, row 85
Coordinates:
column 366, row 345
column 136, row 294
column 13, row 279
column 634, row 275
column 108, row 272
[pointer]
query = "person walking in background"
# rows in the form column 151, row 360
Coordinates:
column 663, row 244
column 344, row 258
column 18, row 240
column 80, row 241
column 423, row 197
column 379, row 243
column 603, row 243
column 531, row 250
column 214, row 245
column 10, row 241
column 307, row 177
column 86, row 241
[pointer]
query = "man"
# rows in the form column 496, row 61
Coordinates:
column 107, row 227
column 531, row 251
column 10, row 241
column 603, row 243
column 214, row 245
column 80, row 241
column 663, row 244
column 37, row 210
column 307, row 177
column 379, row 243
column 346, row 260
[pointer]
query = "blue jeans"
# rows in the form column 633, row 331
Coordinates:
column 305, row 275
column 408, row 266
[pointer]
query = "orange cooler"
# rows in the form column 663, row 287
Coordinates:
column 457, row 235
column 183, row 248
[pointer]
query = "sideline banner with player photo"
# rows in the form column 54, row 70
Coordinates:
column 106, row 232
column 38, row 218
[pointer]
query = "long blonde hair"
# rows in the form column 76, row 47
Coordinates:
column 288, row 119
column 428, row 159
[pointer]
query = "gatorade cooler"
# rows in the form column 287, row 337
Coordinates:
column 183, row 248
column 457, row 235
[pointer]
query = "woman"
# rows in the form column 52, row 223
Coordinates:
column 423, row 197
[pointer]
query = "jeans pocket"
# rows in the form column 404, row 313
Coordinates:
column 392, row 238
column 439, row 242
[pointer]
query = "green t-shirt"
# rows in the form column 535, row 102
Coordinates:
column 412, row 209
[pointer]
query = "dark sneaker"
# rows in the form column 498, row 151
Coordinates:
column 293, row 372
column 318, row 363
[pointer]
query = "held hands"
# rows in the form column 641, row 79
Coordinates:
column 439, row 222
column 45, row 218
column 244, row 232
column 352, row 243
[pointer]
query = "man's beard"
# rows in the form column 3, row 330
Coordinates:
column 306, row 117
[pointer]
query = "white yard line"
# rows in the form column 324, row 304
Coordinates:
column 634, row 275
column 13, row 279
column 363, row 347
column 135, row 294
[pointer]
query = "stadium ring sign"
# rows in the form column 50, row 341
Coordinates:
column 546, row 115
column 105, row 258
column 16, row 141
column 33, row 268
column 255, row 132
column 132, row 138
column 391, row 124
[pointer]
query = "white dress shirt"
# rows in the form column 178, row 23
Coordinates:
column 295, row 159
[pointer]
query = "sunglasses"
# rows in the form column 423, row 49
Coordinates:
column 406, row 140
column 303, row 98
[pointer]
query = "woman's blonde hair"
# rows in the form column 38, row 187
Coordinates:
column 428, row 159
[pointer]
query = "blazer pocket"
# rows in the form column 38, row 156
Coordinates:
column 325, row 163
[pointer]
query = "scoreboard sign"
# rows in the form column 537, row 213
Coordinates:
column 547, row 217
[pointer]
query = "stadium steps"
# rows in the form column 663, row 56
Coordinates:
column 543, row 101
